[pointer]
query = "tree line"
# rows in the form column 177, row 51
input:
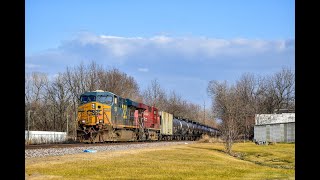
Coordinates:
column 236, row 104
column 51, row 102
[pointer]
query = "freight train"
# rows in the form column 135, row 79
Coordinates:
column 104, row 116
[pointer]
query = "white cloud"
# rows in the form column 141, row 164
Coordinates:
column 110, row 37
column 143, row 69
column 32, row 66
column 174, row 60
column 126, row 47
column 162, row 49
column 161, row 39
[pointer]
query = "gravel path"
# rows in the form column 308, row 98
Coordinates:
column 32, row 153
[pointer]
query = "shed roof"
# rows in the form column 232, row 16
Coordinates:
column 261, row 119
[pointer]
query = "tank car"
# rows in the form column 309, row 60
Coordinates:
column 180, row 129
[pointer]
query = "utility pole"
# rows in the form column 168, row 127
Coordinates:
column 67, row 112
column 67, row 123
column 75, row 121
column 28, row 126
column 32, row 127
column 204, row 112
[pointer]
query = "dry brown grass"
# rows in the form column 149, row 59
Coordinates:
column 208, row 139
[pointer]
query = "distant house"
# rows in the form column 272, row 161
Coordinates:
column 274, row 127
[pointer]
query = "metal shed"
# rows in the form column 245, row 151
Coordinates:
column 274, row 127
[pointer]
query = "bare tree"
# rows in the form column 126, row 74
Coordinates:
column 246, row 89
column 75, row 79
column 193, row 112
column 210, row 118
column 92, row 76
column 284, row 88
column 60, row 97
column 174, row 105
column 277, row 92
column 28, row 96
column 154, row 95
column 34, row 95
column 228, row 107
column 119, row 83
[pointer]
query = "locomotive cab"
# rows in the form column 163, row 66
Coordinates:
column 95, row 109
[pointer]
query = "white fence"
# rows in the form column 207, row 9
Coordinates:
column 45, row 137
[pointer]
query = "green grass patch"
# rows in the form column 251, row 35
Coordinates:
column 279, row 155
column 188, row 161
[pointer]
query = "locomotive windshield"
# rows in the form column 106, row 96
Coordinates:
column 105, row 99
column 85, row 99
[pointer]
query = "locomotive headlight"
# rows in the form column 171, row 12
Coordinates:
column 93, row 106
column 83, row 121
column 100, row 121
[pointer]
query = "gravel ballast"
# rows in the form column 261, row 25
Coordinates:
column 33, row 153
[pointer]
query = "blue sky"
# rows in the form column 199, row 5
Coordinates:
column 183, row 44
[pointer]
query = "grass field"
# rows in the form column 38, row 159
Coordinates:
column 187, row 161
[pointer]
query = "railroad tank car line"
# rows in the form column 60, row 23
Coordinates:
column 106, row 117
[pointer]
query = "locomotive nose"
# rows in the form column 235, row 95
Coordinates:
column 92, row 114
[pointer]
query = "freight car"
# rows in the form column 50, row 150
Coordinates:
column 104, row 116
column 183, row 129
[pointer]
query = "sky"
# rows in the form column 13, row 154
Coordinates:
column 182, row 44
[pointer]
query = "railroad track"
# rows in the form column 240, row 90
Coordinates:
column 34, row 151
column 66, row 145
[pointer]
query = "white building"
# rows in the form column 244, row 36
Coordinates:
column 274, row 127
column 45, row 137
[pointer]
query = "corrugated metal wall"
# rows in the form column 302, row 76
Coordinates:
column 260, row 133
column 290, row 132
column 275, row 127
column 45, row 137
column 275, row 132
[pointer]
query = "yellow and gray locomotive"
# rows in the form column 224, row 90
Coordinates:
column 105, row 116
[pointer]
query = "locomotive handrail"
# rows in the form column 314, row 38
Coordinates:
column 105, row 113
